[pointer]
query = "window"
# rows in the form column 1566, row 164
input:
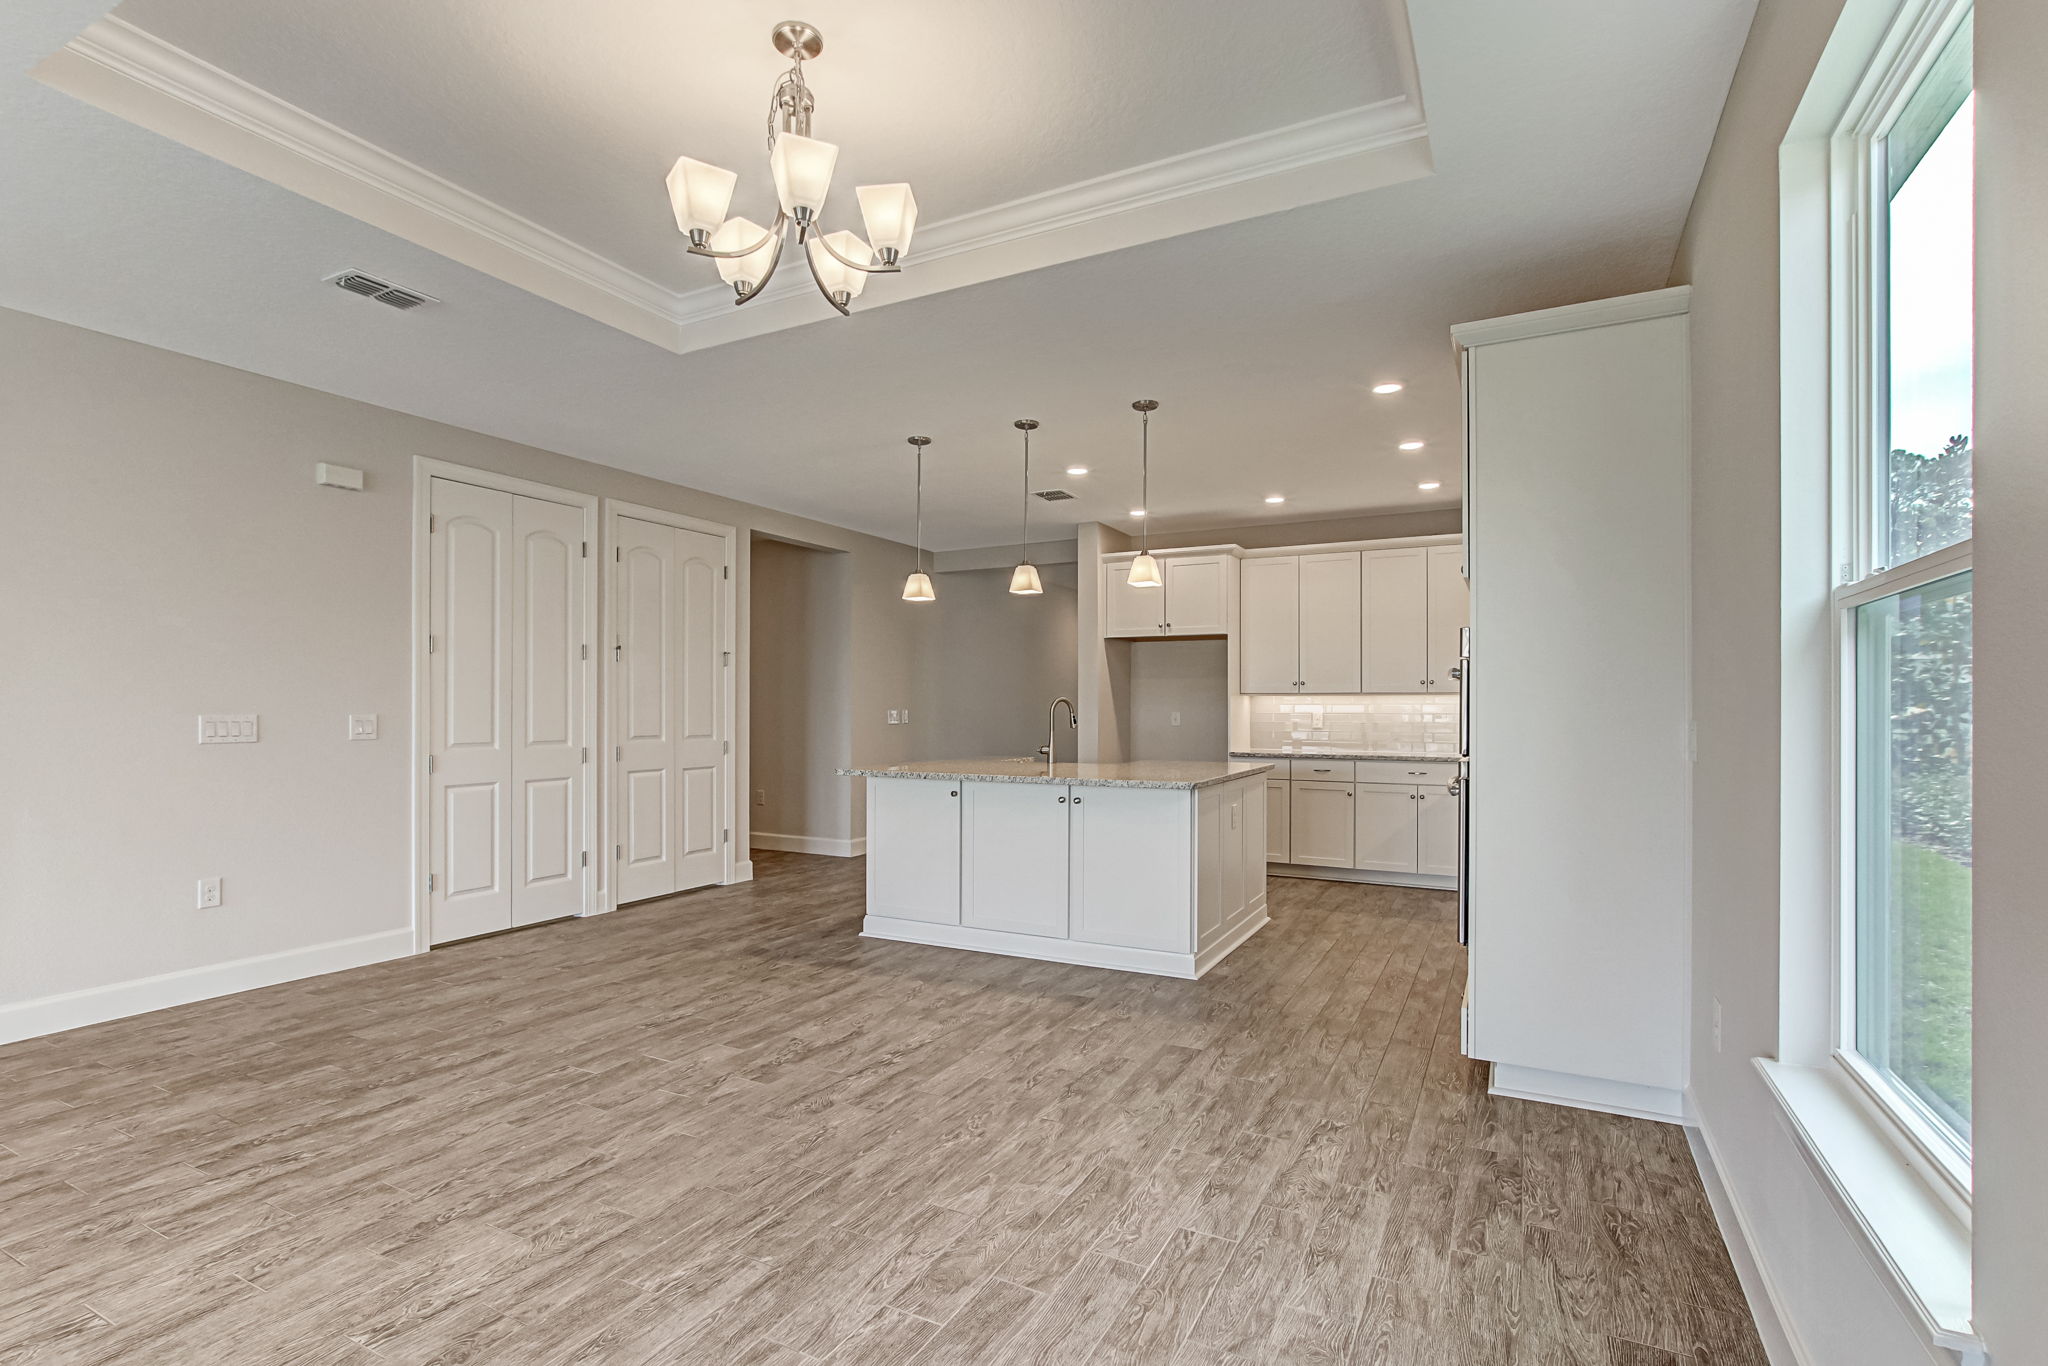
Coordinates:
column 1903, row 604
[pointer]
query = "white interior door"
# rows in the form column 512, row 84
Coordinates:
column 505, row 710
column 1269, row 629
column 1449, row 600
column 1330, row 622
column 668, row 605
column 548, row 744
column 1396, row 620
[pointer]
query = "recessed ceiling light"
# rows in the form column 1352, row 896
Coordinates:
column 1405, row 445
column 1276, row 498
column 1137, row 512
column 1428, row 485
column 1390, row 387
column 1077, row 470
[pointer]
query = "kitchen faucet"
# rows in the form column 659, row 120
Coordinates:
column 1051, row 724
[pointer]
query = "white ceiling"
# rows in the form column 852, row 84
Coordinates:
column 1567, row 144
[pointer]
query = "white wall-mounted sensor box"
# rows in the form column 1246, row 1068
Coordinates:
column 338, row 477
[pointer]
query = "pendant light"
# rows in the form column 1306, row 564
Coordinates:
column 918, row 587
column 1145, row 569
column 1024, row 578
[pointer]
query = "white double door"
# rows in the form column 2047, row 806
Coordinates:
column 508, row 750
column 673, row 751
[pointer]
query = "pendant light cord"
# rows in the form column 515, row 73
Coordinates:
column 1145, row 482
column 1027, row 495
column 920, row 510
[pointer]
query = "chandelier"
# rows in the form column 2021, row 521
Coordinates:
column 801, row 166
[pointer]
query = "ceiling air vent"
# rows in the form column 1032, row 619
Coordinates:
column 1054, row 495
column 383, row 291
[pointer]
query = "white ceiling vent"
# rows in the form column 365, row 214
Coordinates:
column 383, row 291
column 1054, row 495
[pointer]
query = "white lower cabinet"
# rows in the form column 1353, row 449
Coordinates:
column 1320, row 824
column 1130, row 864
column 1161, row 880
column 1278, row 818
column 1013, row 857
column 1436, row 836
column 915, row 873
column 1386, row 828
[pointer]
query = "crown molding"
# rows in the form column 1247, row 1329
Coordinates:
column 137, row 76
column 1545, row 322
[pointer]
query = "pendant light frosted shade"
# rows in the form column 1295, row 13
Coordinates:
column 700, row 194
column 1024, row 580
column 890, row 212
column 835, row 277
column 1145, row 572
column 918, row 588
column 736, row 234
column 803, row 172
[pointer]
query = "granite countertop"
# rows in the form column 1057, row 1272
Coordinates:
column 1332, row 753
column 1184, row 774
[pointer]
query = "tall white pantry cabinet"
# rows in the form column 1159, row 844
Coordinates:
column 1578, row 701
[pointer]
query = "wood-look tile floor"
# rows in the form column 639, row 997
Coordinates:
column 723, row 1129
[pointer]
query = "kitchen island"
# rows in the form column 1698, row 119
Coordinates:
column 1150, row 866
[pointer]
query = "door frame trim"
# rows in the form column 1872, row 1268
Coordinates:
column 426, row 469
column 615, row 508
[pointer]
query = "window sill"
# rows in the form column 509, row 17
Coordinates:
column 1910, row 1235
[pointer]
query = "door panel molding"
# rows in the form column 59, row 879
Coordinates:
column 578, row 694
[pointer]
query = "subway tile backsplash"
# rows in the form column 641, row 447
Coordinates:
column 1423, row 723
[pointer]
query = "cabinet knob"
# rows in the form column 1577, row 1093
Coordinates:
column 1063, row 801
column 952, row 794
column 1077, row 801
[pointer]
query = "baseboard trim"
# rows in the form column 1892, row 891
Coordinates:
column 120, row 1000
column 1379, row 879
column 1782, row 1346
column 1154, row 962
column 808, row 844
column 743, row 871
column 1255, row 920
column 1587, row 1093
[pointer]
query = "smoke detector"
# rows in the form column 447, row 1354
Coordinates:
column 383, row 291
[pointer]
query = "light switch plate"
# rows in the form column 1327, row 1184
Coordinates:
column 229, row 730
column 895, row 717
column 209, row 893
column 362, row 727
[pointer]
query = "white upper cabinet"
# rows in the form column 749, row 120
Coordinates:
column 1269, row 640
column 1197, row 595
column 1194, row 599
column 1396, row 654
column 1448, row 598
column 1330, row 622
column 1128, row 611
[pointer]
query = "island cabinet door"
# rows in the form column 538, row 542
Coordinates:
column 1132, row 865
column 914, row 849
column 1013, row 852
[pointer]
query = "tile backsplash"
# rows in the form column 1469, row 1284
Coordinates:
column 1422, row 723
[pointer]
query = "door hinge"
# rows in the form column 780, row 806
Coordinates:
column 432, row 522
column 430, row 882
column 618, row 752
column 586, row 754
column 725, row 747
column 618, row 555
column 586, row 652
column 585, row 859
column 586, row 550
column 430, row 763
column 725, row 837
column 618, row 852
column 725, row 571
column 618, row 652
column 727, row 661
column 430, row 645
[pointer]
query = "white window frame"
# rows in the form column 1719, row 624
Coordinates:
column 1859, row 404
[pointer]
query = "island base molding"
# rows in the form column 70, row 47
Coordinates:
column 1155, row 962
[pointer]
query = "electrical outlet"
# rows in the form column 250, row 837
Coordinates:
column 209, row 893
column 905, row 714
column 1173, row 719
column 760, row 796
column 1717, row 1024
column 895, row 717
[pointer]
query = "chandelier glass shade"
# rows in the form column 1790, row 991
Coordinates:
column 801, row 167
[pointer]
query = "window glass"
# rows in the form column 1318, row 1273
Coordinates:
column 1913, row 845
column 1929, row 329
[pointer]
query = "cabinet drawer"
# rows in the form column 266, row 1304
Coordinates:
column 1405, row 773
column 1321, row 770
